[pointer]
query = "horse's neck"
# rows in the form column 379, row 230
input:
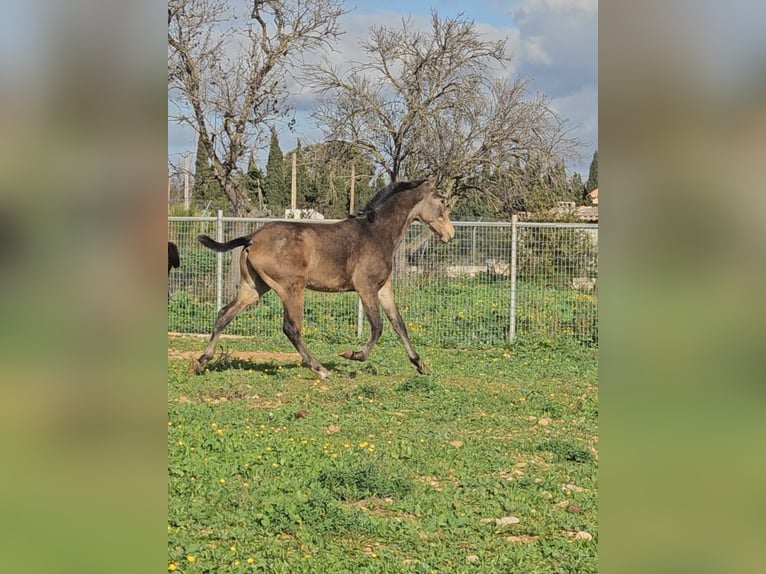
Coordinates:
column 395, row 217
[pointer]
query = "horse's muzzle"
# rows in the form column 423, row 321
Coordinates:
column 448, row 233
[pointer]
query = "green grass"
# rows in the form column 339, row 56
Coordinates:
column 379, row 469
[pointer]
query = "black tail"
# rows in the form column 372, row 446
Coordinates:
column 228, row 246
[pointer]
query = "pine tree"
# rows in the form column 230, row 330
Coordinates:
column 206, row 188
column 592, row 174
column 276, row 190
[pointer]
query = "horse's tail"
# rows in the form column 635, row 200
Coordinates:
column 220, row 247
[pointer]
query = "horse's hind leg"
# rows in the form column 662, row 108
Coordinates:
column 247, row 295
column 386, row 296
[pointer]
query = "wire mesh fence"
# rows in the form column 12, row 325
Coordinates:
column 494, row 283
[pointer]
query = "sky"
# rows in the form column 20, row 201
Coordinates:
column 553, row 43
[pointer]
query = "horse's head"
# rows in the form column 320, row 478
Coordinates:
column 434, row 210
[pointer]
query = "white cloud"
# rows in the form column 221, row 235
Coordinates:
column 535, row 51
column 559, row 44
column 558, row 52
column 559, row 6
column 580, row 109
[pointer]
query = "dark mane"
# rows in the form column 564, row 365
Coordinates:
column 369, row 211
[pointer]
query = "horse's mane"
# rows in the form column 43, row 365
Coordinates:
column 370, row 210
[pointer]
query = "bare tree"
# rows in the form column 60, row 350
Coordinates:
column 431, row 102
column 176, row 174
column 228, row 64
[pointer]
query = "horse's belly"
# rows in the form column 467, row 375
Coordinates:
column 329, row 285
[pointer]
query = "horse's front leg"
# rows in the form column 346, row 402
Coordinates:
column 371, row 306
column 291, row 327
column 386, row 296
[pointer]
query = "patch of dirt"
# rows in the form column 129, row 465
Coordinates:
column 242, row 355
column 522, row 538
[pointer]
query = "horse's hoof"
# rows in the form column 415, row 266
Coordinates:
column 195, row 366
column 322, row 372
column 421, row 368
column 352, row 355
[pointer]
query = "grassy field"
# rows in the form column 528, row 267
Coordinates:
column 488, row 464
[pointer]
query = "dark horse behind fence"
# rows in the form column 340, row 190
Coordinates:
column 355, row 254
column 174, row 260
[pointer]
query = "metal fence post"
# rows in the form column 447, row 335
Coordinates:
column 219, row 262
column 359, row 319
column 514, row 239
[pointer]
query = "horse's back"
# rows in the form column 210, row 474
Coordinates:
column 321, row 254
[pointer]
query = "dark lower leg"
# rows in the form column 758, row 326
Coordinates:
column 389, row 307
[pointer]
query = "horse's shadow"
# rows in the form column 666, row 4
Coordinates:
column 223, row 364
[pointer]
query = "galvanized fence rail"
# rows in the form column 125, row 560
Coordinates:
column 494, row 283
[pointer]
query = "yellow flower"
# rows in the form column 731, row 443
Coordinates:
column 171, row 567
column 219, row 432
column 233, row 548
column 363, row 444
column 222, row 480
column 190, row 558
column 250, row 560
column 245, row 485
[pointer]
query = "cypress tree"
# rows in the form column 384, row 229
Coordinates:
column 254, row 181
column 558, row 182
column 592, row 174
column 577, row 189
column 302, row 179
column 276, row 190
column 206, row 187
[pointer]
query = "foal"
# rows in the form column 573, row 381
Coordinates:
column 355, row 254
